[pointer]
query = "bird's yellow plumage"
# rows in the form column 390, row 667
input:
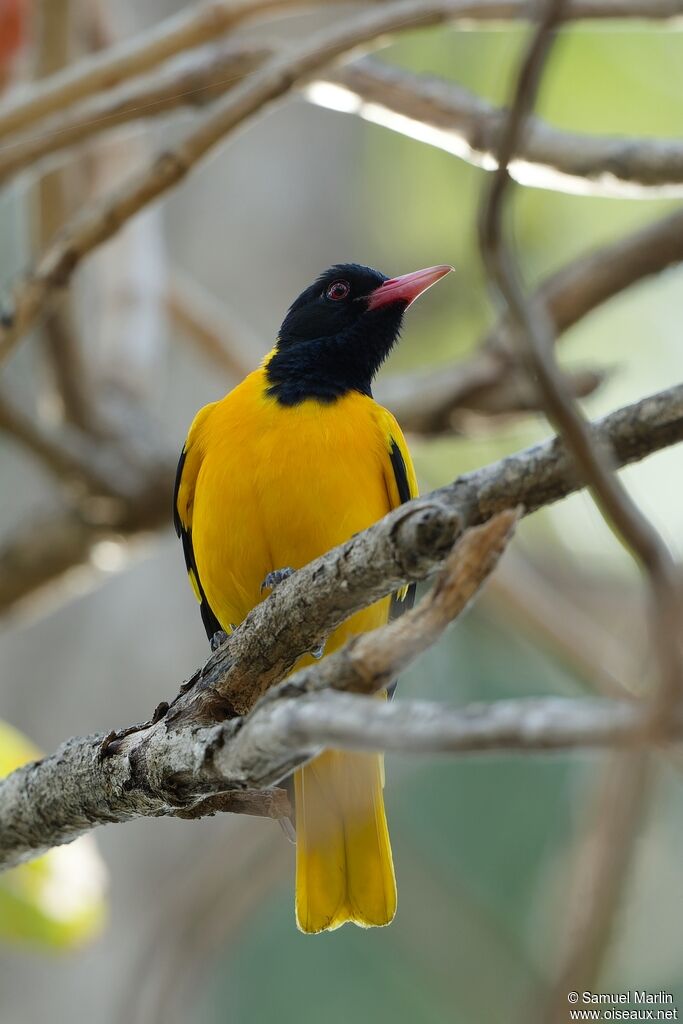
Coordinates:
column 265, row 487
column 291, row 463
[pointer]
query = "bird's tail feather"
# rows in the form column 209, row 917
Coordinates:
column 344, row 868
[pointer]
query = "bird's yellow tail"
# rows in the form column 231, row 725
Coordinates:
column 344, row 869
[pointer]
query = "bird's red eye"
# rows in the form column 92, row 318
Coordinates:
column 338, row 290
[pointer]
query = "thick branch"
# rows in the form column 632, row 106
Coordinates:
column 177, row 761
column 159, row 773
column 406, row 546
column 166, row 765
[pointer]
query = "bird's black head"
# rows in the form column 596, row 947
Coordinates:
column 339, row 331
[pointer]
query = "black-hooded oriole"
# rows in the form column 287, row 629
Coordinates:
column 293, row 461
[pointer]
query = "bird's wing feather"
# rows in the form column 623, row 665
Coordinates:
column 183, row 501
column 401, row 486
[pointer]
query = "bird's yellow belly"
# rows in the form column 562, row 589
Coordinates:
column 311, row 479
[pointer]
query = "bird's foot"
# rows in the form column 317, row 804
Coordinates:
column 218, row 639
column 273, row 579
column 318, row 652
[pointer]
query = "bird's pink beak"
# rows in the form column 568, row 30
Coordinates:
column 406, row 288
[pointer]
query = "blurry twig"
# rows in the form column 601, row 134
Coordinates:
column 102, row 469
column 602, row 861
column 102, row 71
column 534, row 335
column 492, row 380
column 33, row 296
column 592, row 916
column 53, row 205
column 470, row 128
column 542, row 609
column 205, row 915
column 195, row 82
column 206, row 323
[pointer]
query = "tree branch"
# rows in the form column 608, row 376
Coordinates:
column 171, row 766
column 533, row 335
column 492, row 381
column 33, row 295
column 168, row 764
column 195, row 82
column 190, row 772
column 450, row 117
column 132, row 57
column 534, row 338
column 184, row 757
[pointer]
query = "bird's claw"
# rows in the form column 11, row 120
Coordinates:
column 318, row 652
column 218, row 639
column 274, row 578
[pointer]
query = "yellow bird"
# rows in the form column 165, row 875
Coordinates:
column 292, row 462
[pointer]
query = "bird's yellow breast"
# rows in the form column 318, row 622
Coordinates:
column 278, row 486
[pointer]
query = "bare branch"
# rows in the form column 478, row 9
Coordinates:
column 172, row 766
column 450, row 117
column 492, row 380
column 33, row 295
column 604, row 854
column 435, row 111
column 207, row 324
column 533, row 333
column 194, row 82
column 167, row 773
column 133, row 57
column 535, row 339
column 42, row 552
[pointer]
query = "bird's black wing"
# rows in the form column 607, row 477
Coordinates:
column 403, row 601
column 184, row 531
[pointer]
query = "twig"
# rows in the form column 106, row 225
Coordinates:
column 53, row 203
column 460, row 122
column 133, row 57
column 600, row 873
column 33, row 295
column 85, row 466
column 491, row 380
column 535, row 338
column 450, row 117
column 555, row 619
column 195, row 82
column 533, row 332
column 206, row 323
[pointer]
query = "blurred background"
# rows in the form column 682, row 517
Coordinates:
column 193, row 921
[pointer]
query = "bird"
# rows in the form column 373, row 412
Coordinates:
column 293, row 461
